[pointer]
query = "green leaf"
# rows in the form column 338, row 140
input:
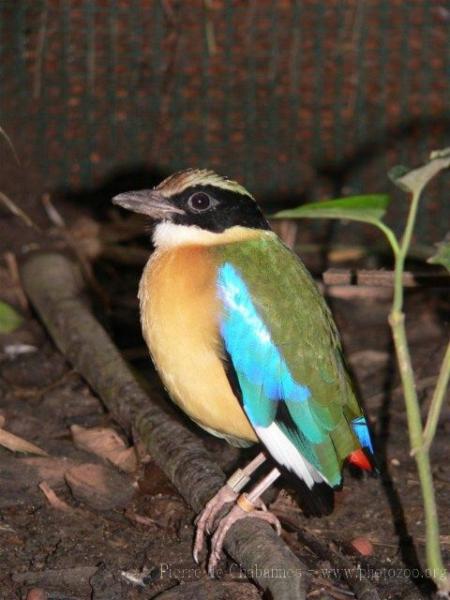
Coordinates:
column 367, row 209
column 9, row 318
column 414, row 180
column 442, row 256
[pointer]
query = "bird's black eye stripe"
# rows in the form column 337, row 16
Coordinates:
column 200, row 201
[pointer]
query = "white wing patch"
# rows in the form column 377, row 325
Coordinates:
column 284, row 452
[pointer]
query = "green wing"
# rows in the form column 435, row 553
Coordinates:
column 284, row 347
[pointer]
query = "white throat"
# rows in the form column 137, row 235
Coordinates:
column 169, row 235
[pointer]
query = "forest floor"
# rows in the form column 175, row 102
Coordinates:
column 134, row 540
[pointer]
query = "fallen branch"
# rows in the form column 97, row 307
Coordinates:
column 55, row 288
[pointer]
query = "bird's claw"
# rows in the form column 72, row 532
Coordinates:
column 205, row 520
column 235, row 514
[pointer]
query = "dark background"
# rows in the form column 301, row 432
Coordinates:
column 296, row 99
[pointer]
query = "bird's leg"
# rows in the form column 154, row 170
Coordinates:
column 247, row 505
column 227, row 493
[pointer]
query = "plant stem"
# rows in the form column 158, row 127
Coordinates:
column 437, row 400
column 400, row 255
column 390, row 236
column 433, row 551
column 415, row 428
column 435, row 564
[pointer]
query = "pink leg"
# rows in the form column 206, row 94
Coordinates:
column 228, row 493
column 245, row 507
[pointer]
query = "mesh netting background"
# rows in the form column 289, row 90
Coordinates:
column 294, row 98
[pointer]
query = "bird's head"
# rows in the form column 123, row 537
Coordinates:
column 195, row 205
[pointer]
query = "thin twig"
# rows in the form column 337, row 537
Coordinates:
column 42, row 33
column 56, row 219
column 17, row 211
column 209, row 29
column 437, row 401
column 10, row 144
column 11, row 263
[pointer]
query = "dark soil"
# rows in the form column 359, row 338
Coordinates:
column 86, row 551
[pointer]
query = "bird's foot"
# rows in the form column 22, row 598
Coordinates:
column 205, row 520
column 242, row 509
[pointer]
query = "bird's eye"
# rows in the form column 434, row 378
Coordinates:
column 199, row 202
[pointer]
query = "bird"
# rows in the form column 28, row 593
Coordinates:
column 244, row 344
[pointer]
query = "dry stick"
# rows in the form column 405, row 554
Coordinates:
column 11, row 263
column 55, row 288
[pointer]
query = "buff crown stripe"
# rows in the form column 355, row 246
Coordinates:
column 178, row 182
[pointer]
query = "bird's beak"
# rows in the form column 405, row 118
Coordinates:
column 147, row 202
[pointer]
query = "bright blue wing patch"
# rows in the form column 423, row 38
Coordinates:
column 361, row 430
column 263, row 374
column 247, row 340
